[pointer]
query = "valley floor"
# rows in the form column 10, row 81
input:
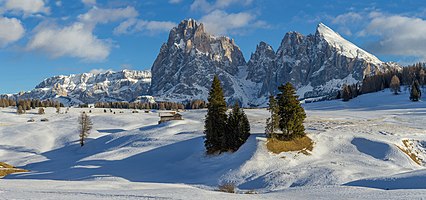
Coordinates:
column 362, row 150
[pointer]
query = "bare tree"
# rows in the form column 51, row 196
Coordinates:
column 20, row 110
column 85, row 126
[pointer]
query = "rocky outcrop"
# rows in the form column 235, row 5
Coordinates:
column 188, row 61
column 317, row 65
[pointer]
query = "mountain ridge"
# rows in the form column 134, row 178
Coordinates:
column 316, row 64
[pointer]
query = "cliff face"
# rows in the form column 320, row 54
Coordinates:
column 188, row 61
column 317, row 65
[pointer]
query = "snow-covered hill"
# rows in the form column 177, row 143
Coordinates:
column 356, row 144
column 125, row 85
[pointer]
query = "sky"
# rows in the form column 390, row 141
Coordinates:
column 44, row 38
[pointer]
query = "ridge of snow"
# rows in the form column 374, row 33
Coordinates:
column 344, row 46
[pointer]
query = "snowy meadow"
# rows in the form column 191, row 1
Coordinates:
column 373, row 146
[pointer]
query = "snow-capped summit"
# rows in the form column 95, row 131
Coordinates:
column 317, row 64
column 344, row 46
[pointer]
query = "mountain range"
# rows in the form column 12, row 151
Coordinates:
column 317, row 65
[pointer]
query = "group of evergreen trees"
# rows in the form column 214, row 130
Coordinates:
column 23, row 105
column 28, row 104
column 141, row 105
column 414, row 77
column 224, row 132
column 287, row 115
column 349, row 92
column 194, row 104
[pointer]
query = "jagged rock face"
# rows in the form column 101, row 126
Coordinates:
column 188, row 61
column 124, row 85
column 316, row 65
column 261, row 62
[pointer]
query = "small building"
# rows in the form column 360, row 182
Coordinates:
column 168, row 116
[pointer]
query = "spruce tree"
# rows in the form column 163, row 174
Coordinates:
column 395, row 84
column 346, row 93
column 291, row 113
column 215, row 122
column 272, row 123
column 238, row 129
column 415, row 93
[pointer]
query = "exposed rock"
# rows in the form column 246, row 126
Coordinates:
column 188, row 61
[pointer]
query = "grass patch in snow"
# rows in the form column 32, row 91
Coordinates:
column 302, row 145
column 227, row 187
column 408, row 150
column 6, row 169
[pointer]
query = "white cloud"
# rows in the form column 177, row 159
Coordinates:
column 220, row 22
column 347, row 18
column 103, row 16
column 74, row 41
column 139, row 25
column 27, row 7
column 89, row 2
column 58, row 3
column 175, row 1
column 347, row 21
column 205, row 6
column 11, row 30
column 398, row 35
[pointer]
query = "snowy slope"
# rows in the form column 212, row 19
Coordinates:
column 344, row 46
column 355, row 145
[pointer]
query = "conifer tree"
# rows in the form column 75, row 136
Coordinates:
column 291, row 113
column 395, row 84
column 415, row 92
column 272, row 123
column 346, row 93
column 215, row 122
column 238, row 129
column 85, row 125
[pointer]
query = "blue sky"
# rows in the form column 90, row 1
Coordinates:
column 43, row 38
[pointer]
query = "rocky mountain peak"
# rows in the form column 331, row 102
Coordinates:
column 187, row 62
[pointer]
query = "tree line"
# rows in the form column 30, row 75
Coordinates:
column 193, row 104
column 413, row 76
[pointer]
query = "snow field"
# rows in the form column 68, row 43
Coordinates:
column 355, row 145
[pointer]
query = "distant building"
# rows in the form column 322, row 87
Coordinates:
column 168, row 116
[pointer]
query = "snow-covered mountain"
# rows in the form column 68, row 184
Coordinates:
column 125, row 85
column 317, row 64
